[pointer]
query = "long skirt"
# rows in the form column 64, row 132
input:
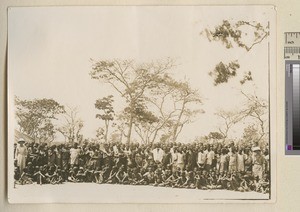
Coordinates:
column 21, row 159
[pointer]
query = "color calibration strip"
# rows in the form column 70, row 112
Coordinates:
column 292, row 107
column 296, row 106
column 292, row 92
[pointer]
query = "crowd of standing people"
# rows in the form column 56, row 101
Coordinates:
column 192, row 165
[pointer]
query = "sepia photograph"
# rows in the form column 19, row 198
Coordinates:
column 141, row 104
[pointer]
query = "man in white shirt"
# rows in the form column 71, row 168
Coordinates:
column 201, row 158
column 158, row 154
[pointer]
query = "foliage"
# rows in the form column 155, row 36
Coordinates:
column 242, row 33
column 72, row 126
column 130, row 80
column 107, row 111
column 247, row 77
column 230, row 119
column 229, row 33
column 105, row 105
column 215, row 136
column 251, row 133
column 256, row 109
column 149, row 90
column 254, row 112
column 100, row 133
column 174, row 103
column 223, row 72
column 35, row 117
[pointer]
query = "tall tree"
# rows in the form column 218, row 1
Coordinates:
column 256, row 109
column 72, row 126
column 185, row 97
column 254, row 112
column 130, row 80
column 230, row 119
column 246, row 35
column 106, row 112
column 145, row 121
column 175, row 102
column 35, row 117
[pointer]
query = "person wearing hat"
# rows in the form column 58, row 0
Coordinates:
column 21, row 154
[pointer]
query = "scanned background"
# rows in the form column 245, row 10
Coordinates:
column 288, row 186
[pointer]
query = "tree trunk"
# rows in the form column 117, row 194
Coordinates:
column 177, row 123
column 106, row 130
column 130, row 128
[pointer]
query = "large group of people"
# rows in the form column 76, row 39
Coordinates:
column 174, row 164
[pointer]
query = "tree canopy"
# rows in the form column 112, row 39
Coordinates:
column 35, row 117
column 104, row 105
column 71, row 126
column 147, row 88
column 244, row 34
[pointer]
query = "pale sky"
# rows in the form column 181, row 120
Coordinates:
column 50, row 49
